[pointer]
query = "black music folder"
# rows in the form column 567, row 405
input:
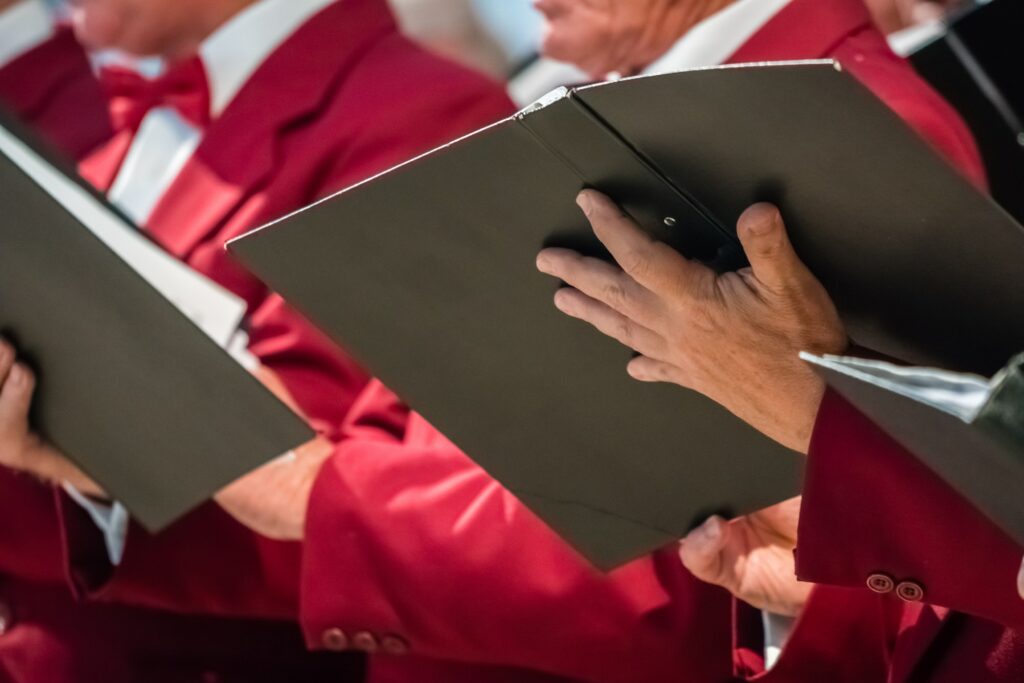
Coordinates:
column 969, row 430
column 142, row 398
column 426, row 273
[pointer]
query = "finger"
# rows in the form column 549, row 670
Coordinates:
column 608, row 321
column 1020, row 582
column 7, row 358
column 772, row 259
column 703, row 552
column 653, row 264
column 16, row 397
column 599, row 280
column 647, row 369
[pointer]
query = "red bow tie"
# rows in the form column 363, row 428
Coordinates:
column 183, row 88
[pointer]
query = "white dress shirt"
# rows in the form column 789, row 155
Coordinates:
column 718, row 37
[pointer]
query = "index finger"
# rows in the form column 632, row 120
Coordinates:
column 653, row 264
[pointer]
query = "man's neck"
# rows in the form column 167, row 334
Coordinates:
column 205, row 22
column 674, row 22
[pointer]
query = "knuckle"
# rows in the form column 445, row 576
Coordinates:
column 614, row 294
column 636, row 263
column 625, row 332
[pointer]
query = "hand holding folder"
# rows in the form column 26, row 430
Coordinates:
column 134, row 383
column 733, row 337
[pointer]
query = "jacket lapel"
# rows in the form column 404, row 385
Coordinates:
column 789, row 36
column 240, row 150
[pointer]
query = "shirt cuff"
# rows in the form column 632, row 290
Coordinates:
column 24, row 26
column 776, row 632
column 111, row 519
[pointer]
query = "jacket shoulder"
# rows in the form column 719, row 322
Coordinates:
column 867, row 56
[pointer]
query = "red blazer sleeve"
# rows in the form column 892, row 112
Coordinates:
column 232, row 571
column 52, row 88
column 411, row 546
column 872, row 508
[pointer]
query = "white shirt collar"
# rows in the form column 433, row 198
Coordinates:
column 718, row 37
column 237, row 49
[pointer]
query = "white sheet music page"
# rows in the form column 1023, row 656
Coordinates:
column 214, row 309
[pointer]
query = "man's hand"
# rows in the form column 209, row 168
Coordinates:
column 20, row 448
column 4, row 4
column 272, row 500
column 751, row 557
column 734, row 337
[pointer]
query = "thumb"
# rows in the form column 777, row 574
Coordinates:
column 16, row 397
column 766, row 244
column 703, row 552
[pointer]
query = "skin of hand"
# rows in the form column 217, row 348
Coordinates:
column 734, row 337
column 273, row 499
column 1020, row 581
column 751, row 557
column 20, row 448
column 4, row 4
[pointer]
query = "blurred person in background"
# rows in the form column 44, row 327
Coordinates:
column 896, row 15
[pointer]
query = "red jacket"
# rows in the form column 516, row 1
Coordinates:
column 345, row 97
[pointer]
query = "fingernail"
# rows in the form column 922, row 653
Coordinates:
column 562, row 302
column 761, row 218
column 543, row 262
column 712, row 530
column 585, row 202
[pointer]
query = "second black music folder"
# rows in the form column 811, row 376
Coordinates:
column 138, row 395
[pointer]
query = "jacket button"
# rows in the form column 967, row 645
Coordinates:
column 334, row 639
column 394, row 645
column 365, row 641
column 881, row 583
column 6, row 618
column 910, row 591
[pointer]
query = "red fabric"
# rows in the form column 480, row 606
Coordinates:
column 52, row 88
column 408, row 538
column 183, row 88
column 870, row 506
